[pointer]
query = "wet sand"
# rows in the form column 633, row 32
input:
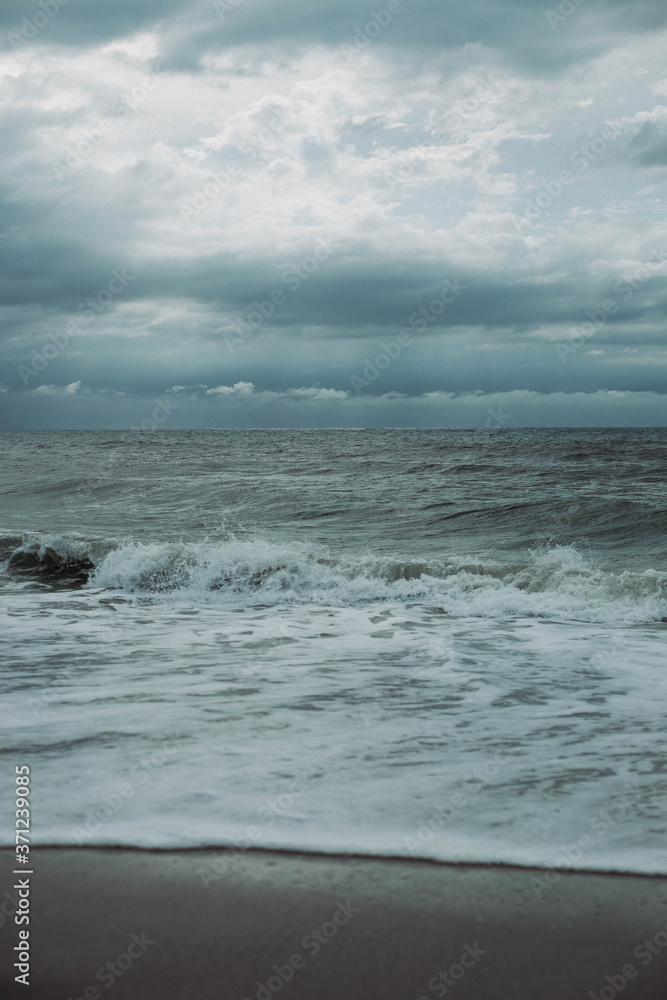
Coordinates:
column 206, row 925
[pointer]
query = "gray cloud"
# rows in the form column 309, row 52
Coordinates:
column 520, row 28
column 274, row 195
column 79, row 22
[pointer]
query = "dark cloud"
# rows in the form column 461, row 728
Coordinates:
column 649, row 146
column 519, row 28
column 356, row 292
column 79, row 22
column 354, row 220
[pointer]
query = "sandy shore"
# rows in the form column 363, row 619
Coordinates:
column 195, row 925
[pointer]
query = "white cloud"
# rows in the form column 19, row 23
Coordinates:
column 239, row 389
column 316, row 392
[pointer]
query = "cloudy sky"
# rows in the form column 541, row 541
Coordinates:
column 332, row 213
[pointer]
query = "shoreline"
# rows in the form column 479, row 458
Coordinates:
column 198, row 924
column 234, row 851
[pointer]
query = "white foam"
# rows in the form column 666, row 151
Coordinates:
column 389, row 711
column 558, row 583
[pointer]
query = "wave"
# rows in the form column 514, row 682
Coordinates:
column 556, row 583
column 51, row 558
column 610, row 521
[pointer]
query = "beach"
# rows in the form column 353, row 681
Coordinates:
column 333, row 500
column 207, row 925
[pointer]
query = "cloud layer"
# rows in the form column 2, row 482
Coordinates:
column 313, row 214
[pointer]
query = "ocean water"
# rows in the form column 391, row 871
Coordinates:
column 438, row 644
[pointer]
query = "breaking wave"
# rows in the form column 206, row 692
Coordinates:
column 557, row 583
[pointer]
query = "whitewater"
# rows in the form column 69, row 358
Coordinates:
column 438, row 644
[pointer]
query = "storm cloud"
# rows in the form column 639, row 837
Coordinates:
column 251, row 213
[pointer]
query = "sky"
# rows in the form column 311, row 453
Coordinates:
column 329, row 213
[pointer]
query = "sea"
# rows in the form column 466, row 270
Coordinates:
column 437, row 644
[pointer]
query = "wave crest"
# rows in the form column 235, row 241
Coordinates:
column 558, row 583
